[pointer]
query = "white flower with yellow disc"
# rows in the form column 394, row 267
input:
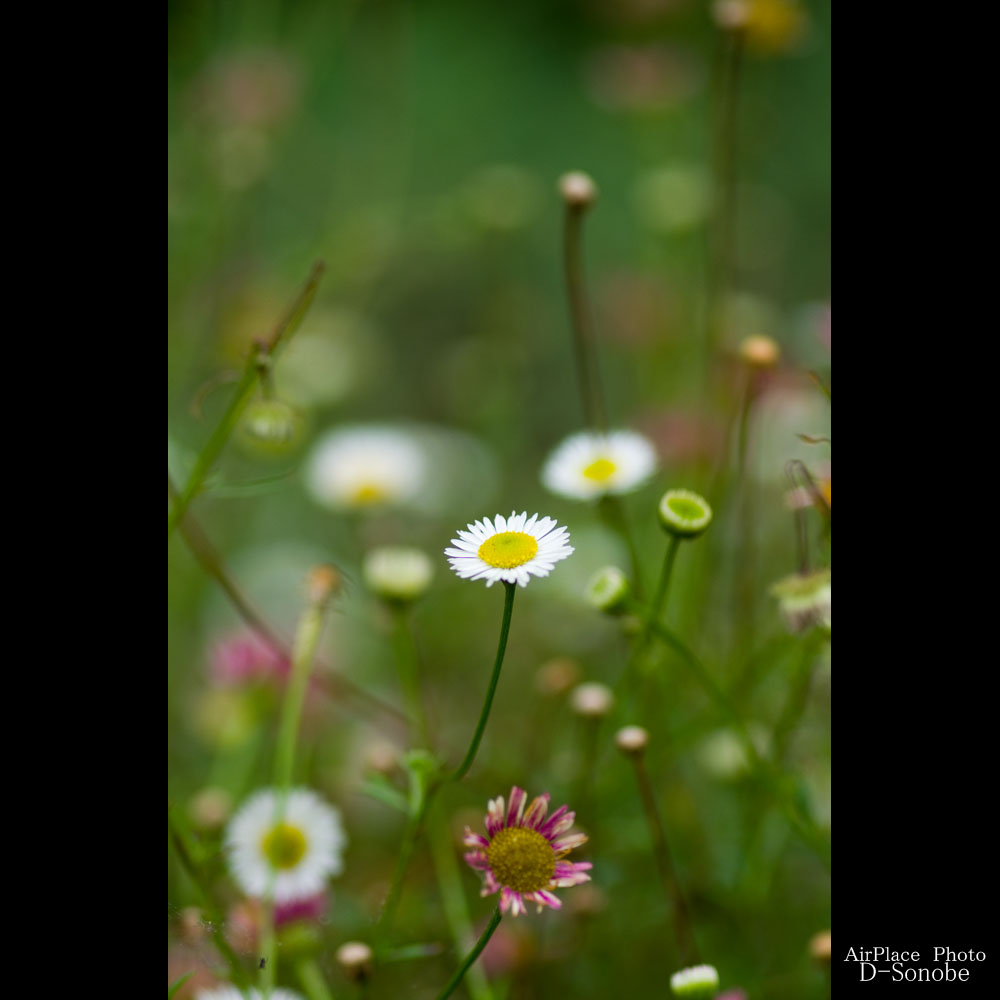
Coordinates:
column 586, row 465
column 510, row 549
column 359, row 467
column 287, row 853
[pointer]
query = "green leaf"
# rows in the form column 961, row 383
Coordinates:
column 178, row 983
column 379, row 787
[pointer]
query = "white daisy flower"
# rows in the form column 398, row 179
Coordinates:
column 511, row 549
column 365, row 467
column 234, row 993
column 293, row 857
column 589, row 465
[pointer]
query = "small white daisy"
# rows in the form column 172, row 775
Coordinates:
column 365, row 467
column 589, row 465
column 234, row 993
column 511, row 549
column 296, row 855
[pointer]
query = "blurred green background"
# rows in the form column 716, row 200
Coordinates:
column 415, row 148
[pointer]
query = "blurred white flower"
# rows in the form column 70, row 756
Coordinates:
column 291, row 852
column 588, row 465
column 360, row 467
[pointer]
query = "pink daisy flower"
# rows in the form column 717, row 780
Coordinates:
column 523, row 853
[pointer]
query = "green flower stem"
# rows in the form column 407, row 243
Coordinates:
column 472, row 956
column 470, row 756
column 258, row 361
column 664, row 862
column 210, row 561
column 213, row 910
column 306, row 639
column 409, row 673
column 311, row 978
column 723, row 222
column 612, row 510
column 410, row 835
column 583, row 336
column 417, row 814
column 456, row 910
column 303, row 650
column 778, row 783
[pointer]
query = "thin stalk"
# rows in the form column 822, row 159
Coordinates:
column 306, row 639
column 405, row 649
column 210, row 561
column 215, row 911
column 470, row 756
column 664, row 862
column 415, row 821
column 660, row 597
column 775, row 780
column 261, row 356
column 311, row 978
column 472, row 956
column 456, row 910
column 587, row 374
column 613, row 510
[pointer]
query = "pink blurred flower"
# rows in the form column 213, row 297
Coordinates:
column 523, row 855
column 243, row 657
column 308, row 908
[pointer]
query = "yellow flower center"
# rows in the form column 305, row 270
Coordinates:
column 521, row 859
column 284, row 846
column 600, row 470
column 368, row 493
column 508, row 549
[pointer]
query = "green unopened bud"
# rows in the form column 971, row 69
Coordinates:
column 398, row 575
column 698, row 981
column 270, row 426
column 804, row 600
column 684, row 513
column 607, row 590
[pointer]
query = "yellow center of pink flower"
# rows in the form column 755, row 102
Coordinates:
column 284, row 846
column 508, row 549
column 521, row 859
column 600, row 470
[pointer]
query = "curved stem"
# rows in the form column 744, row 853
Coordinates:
column 262, row 352
column 409, row 674
column 583, row 349
column 470, row 756
column 472, row 956
column 668, row 873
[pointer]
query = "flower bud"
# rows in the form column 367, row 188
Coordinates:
column 698, row 981
column 356, row 960
column 759, row 351
column 684, row 513
column 557, row 676
column 578, row 189
column 210, row 808
column 270, row 426
column 821, row 948
column 632, row 740
column 397, row 574
column 731, row 15
column 804, row 600
column 592, row 700
column 322, row 582
column 607, row 590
